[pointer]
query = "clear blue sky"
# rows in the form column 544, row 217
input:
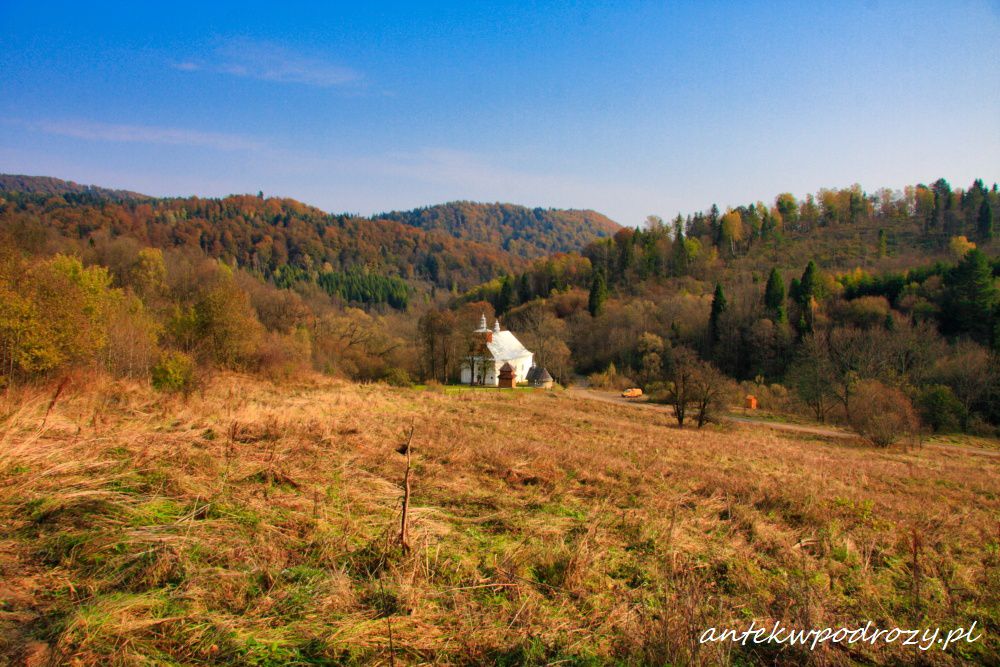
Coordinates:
column 627, row 108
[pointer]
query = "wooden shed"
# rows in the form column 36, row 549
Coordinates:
column 506, row 376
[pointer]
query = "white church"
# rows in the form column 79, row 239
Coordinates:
column 494, row 350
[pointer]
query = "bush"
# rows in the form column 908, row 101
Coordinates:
column 940, row 409
column 881, row 414
column 284, row 356
column 610, row 379
column 53, row 314
column 774, row 397
column 174, row 372
column 397, row 377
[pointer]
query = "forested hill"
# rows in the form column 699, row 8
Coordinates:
column 525, row 232
column 280, row 240
column 47, row 185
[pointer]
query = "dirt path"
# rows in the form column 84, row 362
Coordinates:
column 607, row 397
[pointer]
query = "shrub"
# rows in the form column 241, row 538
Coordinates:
column 881, row 414
column 52, row 314
column 940, row 409
column 283, row 356
column 174, row 372
column 397, row 377
column 773, row 397
column 610, row 379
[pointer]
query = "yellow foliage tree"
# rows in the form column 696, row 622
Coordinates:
column 733, row 231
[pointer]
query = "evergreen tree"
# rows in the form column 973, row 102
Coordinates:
column 506, row 298
column 774, row 296
column 795, row 290
column 680, row 260
column 807, row 291
column 713, row 224
column 883, row 243
column 809, row 283
column 984, row 224
column 719, row 306
column 524, row 291
column 598, row 294
column 970, row 299
column 942, row 200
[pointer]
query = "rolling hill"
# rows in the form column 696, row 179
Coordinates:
column 524, row 232
column 47, row 185
column 451, row 246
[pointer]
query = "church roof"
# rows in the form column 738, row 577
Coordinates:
column 505, row 346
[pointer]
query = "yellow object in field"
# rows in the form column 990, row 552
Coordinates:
column 634, row 392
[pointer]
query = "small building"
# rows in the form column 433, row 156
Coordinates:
column 507, row 378
column 539, row 378
column 491, row 349
column 750, row 403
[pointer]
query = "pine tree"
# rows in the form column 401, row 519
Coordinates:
column 807, row 291
column 680, row 260
column 598, row 294
column 774, row 296
column 984, row 223
column 506, row 298
column 883, row 243
column 719, row 306
column 970, row 299
column 809, row 283
column 524, row 291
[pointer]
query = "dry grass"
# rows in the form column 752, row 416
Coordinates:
column 256, row 524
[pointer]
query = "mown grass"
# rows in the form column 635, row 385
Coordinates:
column 256, row 524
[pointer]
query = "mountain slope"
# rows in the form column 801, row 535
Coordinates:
column 525, row 232
column 457, row 245
column 282, row 240
column 47, row 185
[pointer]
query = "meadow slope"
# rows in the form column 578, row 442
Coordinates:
column 256, row 524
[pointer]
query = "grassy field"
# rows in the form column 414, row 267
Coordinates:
column 257, row 524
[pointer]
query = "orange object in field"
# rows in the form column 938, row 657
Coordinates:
column 634, row 392
column 751, row 402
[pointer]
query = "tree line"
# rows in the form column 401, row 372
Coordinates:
column 809, row 304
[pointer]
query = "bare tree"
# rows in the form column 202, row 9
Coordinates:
column 681, row 382
column 811, row 376
column 709, row 390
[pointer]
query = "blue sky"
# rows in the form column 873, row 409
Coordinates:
column 627, row 108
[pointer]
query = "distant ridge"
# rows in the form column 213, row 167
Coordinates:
column 525, row 232
column 47, row 185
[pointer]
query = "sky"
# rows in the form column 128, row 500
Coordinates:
column 628, row 108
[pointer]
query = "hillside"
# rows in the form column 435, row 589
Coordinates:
column 47, row 185
column 524, row 232
column 452, row 245
column 282, row 240
column 258, row 525
column 769, row 295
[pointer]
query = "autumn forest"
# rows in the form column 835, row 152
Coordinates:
column 805, row 301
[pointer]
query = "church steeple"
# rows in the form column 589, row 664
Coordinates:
column 482, row 324
column 496, row 326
